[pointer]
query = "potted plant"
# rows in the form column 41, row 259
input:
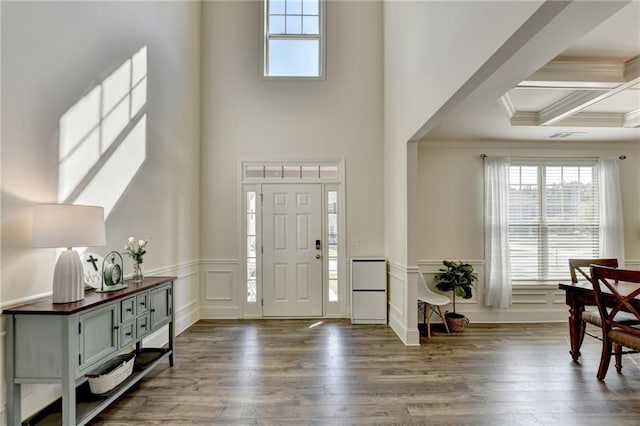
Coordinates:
column 457, row 278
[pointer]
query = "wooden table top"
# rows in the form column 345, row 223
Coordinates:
column 586, row 286
column 91, row 299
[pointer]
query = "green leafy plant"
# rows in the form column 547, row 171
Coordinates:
column 457, row 278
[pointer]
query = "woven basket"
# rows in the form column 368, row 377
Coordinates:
column 111, row 374
column 456, row 324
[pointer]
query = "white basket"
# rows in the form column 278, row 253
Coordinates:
column 111, row 374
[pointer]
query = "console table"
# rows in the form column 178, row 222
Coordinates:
column 60, row 343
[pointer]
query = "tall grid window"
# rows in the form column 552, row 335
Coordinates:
column 553, row 216
column 293, row 44
column 252, row 253
column 332, row 246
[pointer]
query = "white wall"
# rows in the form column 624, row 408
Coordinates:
column 451, row 218
column 247, row 117
column 54, row 54
column 431, row 50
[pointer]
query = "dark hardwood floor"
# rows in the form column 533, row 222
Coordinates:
column 281, row 372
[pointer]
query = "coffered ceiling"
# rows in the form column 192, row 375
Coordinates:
column 590, row 91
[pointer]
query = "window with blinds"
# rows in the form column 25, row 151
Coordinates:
column 554, row 212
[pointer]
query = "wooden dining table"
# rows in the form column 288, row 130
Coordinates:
column 581, row 294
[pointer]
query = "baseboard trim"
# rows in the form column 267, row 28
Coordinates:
column 220, row 312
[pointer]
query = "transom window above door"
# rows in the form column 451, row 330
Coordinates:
column 294, row 38
column 325, row 171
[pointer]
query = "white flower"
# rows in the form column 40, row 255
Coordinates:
column 142, row 243
column 131, row 240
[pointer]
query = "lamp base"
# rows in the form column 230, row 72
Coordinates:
column 68, row 278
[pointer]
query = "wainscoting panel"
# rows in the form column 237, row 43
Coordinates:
column 533, row 296
column 221, row 289
column 218, row 285
column 402, row 296
column 397, row 294
column 558, row 297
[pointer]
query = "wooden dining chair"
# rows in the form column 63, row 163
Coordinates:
column 579, row 270
column 614, row 290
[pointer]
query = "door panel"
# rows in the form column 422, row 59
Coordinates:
column 292, row 274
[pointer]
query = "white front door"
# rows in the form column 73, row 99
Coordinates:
column 291, row 263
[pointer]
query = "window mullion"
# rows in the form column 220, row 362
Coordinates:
column 543, row 261
column 278, row 36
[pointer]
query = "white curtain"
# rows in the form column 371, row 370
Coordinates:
column 611, row 223
column 496, row 219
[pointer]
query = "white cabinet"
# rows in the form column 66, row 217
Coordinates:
column 368, row 290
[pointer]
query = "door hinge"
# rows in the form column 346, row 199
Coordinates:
column 261, row 250
column 261, row 302
column 79, row 359
column 261, row 197
column 79, row 328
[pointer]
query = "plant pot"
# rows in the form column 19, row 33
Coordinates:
column 456, row 322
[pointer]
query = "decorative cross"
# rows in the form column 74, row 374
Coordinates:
column 93, row 261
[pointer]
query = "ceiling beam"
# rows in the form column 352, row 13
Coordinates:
column 581, row 119
column 583, row 75
column 528, row 31
column 568, row 106
column 578, row 101
column 577, row 74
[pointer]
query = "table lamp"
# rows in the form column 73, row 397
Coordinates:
column 68, row 225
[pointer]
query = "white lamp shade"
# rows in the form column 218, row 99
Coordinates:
column 68, row 225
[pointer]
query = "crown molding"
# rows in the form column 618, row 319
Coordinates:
column 525, row 118
column 632, row 69
column 581, row 119
column 632, row 119
column 579, row 74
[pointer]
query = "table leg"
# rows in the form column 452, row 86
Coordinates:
column 575, row 325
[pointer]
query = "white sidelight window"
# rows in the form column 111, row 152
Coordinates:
column 251, row 245
column 332, row 245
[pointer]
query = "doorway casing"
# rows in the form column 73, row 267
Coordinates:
column 330, row 175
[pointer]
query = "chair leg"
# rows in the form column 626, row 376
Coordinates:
column 444, row 321
column 427, row 306
column 617, row 350
column 605, row 358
